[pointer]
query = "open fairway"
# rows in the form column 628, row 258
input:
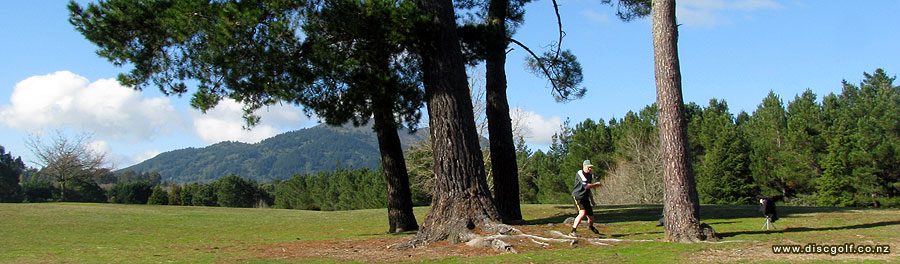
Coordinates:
column 103, row 233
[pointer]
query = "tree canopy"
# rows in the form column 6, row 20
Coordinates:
column 10, row 170
column 344, row 60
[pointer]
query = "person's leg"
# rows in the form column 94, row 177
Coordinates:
column 578, row 218
column 581, row 214
column 591, row 224
column 589, row 212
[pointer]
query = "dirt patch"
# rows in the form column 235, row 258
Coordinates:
column 366, row 250
column 378, row 250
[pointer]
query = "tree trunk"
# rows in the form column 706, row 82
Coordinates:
column 503, row 150
column 400, row 213
column 462, row 200
column 62, row 190
column 682, row 207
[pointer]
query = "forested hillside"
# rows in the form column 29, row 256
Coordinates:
column 305, row 151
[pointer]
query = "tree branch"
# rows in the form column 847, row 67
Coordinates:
column 539, row 61
column 561, row 32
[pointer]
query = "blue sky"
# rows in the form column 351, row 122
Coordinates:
column 737, row 50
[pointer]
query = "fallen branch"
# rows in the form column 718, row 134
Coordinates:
column 532, row 237
column 540, row 243
column 593, row 241
column 560, row 234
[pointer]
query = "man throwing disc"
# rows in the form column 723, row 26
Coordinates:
column 582, row 196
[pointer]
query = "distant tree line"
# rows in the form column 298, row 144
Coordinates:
column 841, row 151
column 229, row 191
column 341, row 189
column 35, row 187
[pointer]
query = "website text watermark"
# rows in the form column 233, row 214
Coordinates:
column 848, row 248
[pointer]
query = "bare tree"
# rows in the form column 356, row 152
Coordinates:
column 519, row 120
column 636, row 179
column 65, row 158
column 420, row 165
column 477, row 90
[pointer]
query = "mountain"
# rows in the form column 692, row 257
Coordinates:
column 310, row 150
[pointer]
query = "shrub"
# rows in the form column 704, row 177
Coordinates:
column 131, row 193
column 38, row 191
column 84, row 190
column 158, row 197
column 205, row 195
column 233, row 191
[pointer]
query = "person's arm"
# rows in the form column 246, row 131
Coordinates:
column 585, row 183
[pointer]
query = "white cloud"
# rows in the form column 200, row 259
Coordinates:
column 536, row 128
column 710, row 13
column 99, row 146
column 144, row 155
column 225, row 122
column 103, row 108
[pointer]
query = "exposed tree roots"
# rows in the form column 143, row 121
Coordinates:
column 464, row 233
column 503, row 233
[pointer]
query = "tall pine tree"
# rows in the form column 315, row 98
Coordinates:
column 723, row 174
column 804, row 142
column 766, row 131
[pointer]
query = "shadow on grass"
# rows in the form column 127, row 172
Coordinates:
column 810, row 229
column 404, row 233
column 556, row 219
column 634, row 234
column 606, row 214
column 709, row 212
column 723, row 222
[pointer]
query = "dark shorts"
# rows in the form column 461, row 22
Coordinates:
column 584, row 204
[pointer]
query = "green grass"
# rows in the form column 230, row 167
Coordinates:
column 103, row 233
column 72, row 232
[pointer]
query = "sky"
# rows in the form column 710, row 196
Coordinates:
column 738, row 50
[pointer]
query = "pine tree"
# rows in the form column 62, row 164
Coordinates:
column 766, row 134
column 682, row 206
column 589, row 141
column 352, row 63
column 874, row 158
column 804, row 142
column 554, row 181
column 10, row 171
column 723, row 175
column 834, row 187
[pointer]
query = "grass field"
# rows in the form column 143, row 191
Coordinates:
column 105, row 233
